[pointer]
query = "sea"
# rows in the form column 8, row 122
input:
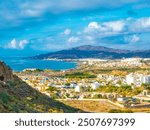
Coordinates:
column 20, row 63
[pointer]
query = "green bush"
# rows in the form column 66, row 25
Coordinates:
column 5, row 97
column 51, row 89
column 11, row 83
column 15, row 108
column 97, row 96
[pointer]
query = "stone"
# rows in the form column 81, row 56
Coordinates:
column 6, row 73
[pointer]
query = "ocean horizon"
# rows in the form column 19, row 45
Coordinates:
column 19, row 64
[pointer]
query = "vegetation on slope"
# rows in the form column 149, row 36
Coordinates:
column 17, row 96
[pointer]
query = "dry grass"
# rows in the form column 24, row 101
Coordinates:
column 91, row 106
column 141, row 110
column 99, row 106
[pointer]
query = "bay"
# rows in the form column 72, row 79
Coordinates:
column 19, row 64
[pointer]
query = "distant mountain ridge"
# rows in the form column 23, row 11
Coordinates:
column 88, row 51
column 98, row 48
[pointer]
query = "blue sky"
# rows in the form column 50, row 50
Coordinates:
column 38, row 26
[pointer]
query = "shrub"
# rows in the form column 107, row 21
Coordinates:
column 15, row 108
column 5, row 97
column 97, row 96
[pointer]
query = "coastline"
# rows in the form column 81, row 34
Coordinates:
column 19, row 64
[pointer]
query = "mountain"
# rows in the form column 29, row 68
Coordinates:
column 17, row 96
column 88, row 51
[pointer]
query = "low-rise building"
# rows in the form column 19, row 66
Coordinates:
column 95, row 85
column 137, row 79
column 77, row 88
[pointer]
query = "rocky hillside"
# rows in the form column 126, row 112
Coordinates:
column 5, row 72
column 17, row 96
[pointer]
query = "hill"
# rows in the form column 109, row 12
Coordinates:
column 89, row 51
column 17, row 96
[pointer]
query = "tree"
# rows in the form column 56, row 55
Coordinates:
column 51, row 89
column 89, row 89
column 67, row 95
column 97, row 96
column 146, row 86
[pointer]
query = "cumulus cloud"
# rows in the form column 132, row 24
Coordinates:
column 123, row 26
column 113, row 26
column 67, row 31
column 132, row 39
column 93, row 25
column 22, row 44
column 118, row 32
column 49, row 23
column 14, row 44
column 73, row 39
column 140, row 25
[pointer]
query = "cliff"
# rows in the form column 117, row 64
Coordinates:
column 5, row 72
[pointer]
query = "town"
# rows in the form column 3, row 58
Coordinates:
column 124, row 82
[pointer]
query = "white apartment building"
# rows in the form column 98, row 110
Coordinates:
column 132, row 61
column 77, row 88
column 29, row 69
column 137, row 79
column 95, row 85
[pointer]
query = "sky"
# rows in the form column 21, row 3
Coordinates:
column 29, row 27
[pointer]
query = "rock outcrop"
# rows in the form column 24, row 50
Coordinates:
column 5, row 72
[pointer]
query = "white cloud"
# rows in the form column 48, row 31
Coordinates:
column 145, row 22
column 140, row 25
column 58, row 6
column 132, row 39
column 37, row 8
column 73, row 39
column 89, row 38
column 14, row 44
column 31, row 13
column 93, row 25
column 130, row 30
column 23, row 43
column 115, row 26
column 106, row 27
column 67, row 31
